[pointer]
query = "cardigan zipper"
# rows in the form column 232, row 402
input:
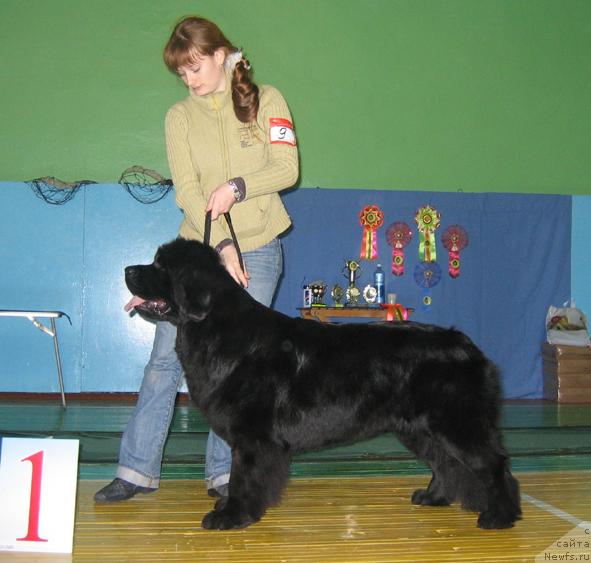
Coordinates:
column 223, row 140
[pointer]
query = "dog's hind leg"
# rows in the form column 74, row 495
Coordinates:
column 452, row 481
column 495, row 492
column 502, row 491
column 503, row 506
column 442, row 488
column 259, row 475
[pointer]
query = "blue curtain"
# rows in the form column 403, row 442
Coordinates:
column 516, row 264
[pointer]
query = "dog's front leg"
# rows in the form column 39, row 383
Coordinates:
column 258, row 477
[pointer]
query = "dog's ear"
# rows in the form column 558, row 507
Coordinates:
column 193, row 299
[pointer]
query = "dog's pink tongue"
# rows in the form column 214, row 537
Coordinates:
column 133, row 302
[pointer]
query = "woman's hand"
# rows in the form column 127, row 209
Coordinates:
column 232, row 264
column 221, row 200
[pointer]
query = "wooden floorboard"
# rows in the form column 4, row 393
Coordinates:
column 345, row 504
column 326, row 520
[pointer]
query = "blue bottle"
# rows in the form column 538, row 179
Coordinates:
column 307, row 301
column 378, row 280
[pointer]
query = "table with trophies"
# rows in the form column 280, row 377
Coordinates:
column 347, row 304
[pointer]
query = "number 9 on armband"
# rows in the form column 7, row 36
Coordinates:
column 281, row 132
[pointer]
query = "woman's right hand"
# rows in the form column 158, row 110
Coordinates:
column 221, row 201
column 232, row 264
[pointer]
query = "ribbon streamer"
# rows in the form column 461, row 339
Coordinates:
column 371, row 218
column 395, row 311
column 398, row 235
column 427, row 219
column 454, row 238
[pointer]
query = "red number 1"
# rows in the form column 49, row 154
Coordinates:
column 35, row 502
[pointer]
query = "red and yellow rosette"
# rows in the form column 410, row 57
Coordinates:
column 427, row 220
column 371, row 218
column 454, row 238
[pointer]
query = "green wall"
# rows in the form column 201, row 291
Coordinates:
column 473, row 95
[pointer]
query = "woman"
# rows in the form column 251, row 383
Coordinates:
column 231, row 146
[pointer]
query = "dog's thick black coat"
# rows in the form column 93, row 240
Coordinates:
column 271, row 385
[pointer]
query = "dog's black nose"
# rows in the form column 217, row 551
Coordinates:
column 130, row 272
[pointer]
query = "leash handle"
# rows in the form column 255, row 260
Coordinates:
column 207, row 235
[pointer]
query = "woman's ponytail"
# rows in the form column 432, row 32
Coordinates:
column 245, row 93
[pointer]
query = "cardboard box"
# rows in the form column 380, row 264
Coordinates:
column 567, row 373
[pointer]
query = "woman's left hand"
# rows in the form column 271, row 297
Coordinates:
column 231, row 262
column 221, row 201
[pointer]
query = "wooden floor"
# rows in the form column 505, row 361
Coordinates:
column 331, row 520
column 347, row 504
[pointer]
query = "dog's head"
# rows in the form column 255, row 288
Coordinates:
column 181, row 282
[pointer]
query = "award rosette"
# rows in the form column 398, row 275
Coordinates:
column 427, row 275
column 427, row 220
column 371, row 218
column 454, row 238
column 398, row 236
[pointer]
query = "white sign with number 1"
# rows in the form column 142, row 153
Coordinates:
column 38, row 494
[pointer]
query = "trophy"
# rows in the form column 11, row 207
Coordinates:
column 352, row 294
column 370, row 294
column 337, row 293
column 318, row 289
column 351, row 271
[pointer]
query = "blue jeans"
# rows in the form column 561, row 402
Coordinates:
column 142, row 445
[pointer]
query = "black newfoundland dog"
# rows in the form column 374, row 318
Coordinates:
column 271, row 385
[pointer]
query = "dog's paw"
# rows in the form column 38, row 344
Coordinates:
column 418, row 496
column 224, row 520
column 220, row 504
column 495, row 520
column 424, row 497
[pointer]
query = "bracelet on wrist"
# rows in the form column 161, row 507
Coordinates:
column 235, row 190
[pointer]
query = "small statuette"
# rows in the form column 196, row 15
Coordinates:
column 370, row 294
column 337, row 293
column 352, row 294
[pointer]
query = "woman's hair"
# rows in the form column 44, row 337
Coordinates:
column 194, row 36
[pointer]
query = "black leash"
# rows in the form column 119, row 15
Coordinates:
column 207, row 234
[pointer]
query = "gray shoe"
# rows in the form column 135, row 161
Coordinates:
column 118, row 489
column 219, row 492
